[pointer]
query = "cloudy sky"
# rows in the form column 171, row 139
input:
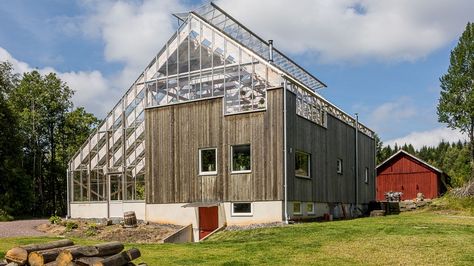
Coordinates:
column 379, row 58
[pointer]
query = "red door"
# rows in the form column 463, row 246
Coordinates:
column 208, row 220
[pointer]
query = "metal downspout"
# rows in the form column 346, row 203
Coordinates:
column 285, row 155
column 68, row 200
column 356, row 160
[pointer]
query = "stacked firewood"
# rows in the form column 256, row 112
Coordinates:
column 65, row 253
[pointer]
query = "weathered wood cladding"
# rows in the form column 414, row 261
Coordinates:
column 174, row 134
column 326, row 145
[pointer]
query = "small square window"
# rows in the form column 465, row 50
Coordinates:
column 241, row 160
column 297, row 208
column 366, row 175
column 208, row 161
column 241, row 209
column 310, row 208
column 302, row 164
column 339, row 166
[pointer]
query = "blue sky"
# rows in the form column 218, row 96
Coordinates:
column 382, row 59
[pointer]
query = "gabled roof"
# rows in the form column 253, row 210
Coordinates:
column 411, row 156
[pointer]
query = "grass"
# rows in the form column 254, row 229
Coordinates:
column 448, row 203
column 409, row 238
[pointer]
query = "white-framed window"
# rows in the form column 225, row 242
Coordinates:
column 242, row 209
column 241, row 159
column 310, row 208
column 339, row 166
column 366, row 179
column 208, row 161
column 297, row 208
column 302, row 164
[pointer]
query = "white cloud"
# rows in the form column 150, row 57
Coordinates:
column 355, row 30
column 91, row 88
column 390, row 116
column 428, row 138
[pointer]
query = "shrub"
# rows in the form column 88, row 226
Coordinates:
column 4, row 216
column 91, row 229
column 71, row 225
column 55, row 219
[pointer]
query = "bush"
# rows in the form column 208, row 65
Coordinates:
column 92, row 229
column 55, row 219
column 71, row 225
column 4, row 216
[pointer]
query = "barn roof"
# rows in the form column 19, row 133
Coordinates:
column 411, row 156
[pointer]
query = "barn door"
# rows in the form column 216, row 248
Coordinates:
column 208, row 220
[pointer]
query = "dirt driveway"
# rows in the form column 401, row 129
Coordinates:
column 21, row 228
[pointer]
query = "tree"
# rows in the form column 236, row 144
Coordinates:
column 15, row 185
column 42, row 103
column 456, row 104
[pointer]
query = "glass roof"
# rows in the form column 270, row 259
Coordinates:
column 215, row 16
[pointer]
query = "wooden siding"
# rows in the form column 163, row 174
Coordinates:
column 174, row 134
column 404, row 174
column 326, row 145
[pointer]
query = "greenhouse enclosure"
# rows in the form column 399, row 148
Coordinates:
column 212, row 59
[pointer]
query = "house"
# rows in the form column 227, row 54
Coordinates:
column 406, row 173
column 222, row 128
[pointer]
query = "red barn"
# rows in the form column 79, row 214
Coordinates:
column 405, row 173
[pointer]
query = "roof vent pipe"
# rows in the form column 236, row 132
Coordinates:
column 270, row 50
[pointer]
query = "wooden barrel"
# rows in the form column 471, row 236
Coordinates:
column 129, row 219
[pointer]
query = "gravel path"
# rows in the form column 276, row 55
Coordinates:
column 21, row 228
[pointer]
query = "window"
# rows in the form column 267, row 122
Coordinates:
column 302, row 161
column 339, row 166
column 296, row 208
column 366, row 175
column 208, row 161
column 242, row 209
column 310, row 208
column 241, row 159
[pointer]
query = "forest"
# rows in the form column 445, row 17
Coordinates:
column 40, row 130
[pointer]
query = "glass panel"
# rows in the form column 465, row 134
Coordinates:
column 241, row 158
column 76, row 186
column 129, row 186
column 242, row 207
column 183, row 56
column 296, row 207
column 116, row 187
column 140, row 187
column 309, row 207
column 208, row 161
column 301, row 164
column 84, row 185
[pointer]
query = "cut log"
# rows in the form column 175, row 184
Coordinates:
column 100, row 250
column 41, row 257
column 123, row 258
column 19, row 255
column 86, row 261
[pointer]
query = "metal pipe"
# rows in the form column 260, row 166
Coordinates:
column 68, row 200
column 285, row 155
column 270, row 50
column 356, row 160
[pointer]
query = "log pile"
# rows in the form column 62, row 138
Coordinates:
column 65, row 253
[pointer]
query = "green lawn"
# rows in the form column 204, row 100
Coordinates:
column 410, row 238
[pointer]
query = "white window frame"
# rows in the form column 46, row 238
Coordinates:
column 340, row 167
column 312, row 209
column 309, row 164
column 200, row 162
column 366, row 175
column 241, row 214
column 232, row 159
column 300, row 212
